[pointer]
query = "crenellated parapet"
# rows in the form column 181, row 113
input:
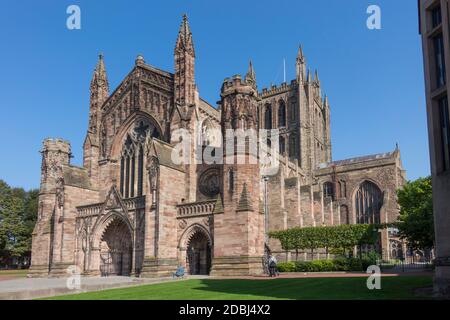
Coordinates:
column 55, row 154
column 275, row 90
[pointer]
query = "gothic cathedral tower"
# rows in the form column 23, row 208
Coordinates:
column 99, row 92
column 239, row 224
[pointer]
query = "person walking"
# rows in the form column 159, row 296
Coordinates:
column 272, row 266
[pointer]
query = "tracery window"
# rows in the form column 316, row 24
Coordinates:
column 282, row 114
column 132, row 159
column 292, row 146
column 342, row 189
column 282, row 145
column 268, row 117
column 368, row 203
column 328, row 190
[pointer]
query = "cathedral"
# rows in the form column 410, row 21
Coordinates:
column 130, row 209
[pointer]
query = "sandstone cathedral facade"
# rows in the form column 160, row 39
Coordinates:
column 131, row 210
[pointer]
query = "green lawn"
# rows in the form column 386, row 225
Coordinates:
column 306, row 288
column 19, row 273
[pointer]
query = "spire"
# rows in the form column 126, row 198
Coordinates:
column 244, row 201
column 99, row 78
column 309, row 76
column 184, row 40
column 218, row 208
column 300, row 63
column 99, row 93
column 300, row 56
column 185, row 88
column 251, row 76
column 316, row 76
column 325, row 100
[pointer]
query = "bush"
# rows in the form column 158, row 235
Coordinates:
column 286, row 267
column 341, row 264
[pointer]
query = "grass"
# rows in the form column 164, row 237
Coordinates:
column 299, row 289
column 16, row 273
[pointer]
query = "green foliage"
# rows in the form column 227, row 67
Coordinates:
column 286, row 266
column 416, row 213
column 18, row 212
column 341, row 264
column 340, row 238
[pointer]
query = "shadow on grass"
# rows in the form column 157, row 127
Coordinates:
column 273, row 289
column 315, row 288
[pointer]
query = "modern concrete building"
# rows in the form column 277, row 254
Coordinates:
column 435, row 30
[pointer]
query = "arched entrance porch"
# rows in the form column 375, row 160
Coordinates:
column 116, row 249
column 196, row 250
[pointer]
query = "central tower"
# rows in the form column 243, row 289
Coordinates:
column 239, row 223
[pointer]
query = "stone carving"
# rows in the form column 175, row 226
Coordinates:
column 60, row 192
column 153, row 171
column 182, row 224
column 103, row 142
column 210, row 183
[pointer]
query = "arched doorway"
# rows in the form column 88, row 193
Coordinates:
column 116, row 249
column 198, row 257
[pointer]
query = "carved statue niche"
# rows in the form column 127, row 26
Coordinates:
column 103, row 145
column 153, row 173
column 60, row 192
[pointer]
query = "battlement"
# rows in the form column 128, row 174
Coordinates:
column 56, row 144
column 273, row 90
column 236, row 84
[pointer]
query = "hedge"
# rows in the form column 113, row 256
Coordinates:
column 338, row 238
column 342, row 264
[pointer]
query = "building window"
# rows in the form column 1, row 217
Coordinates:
column 445, row 132
column 292, row 113
column 436, row 17
column 328, row 191
column 132, row 160
column 439, row 58
column 140, row 171
column 230, row 180
column 282, row 114
column 268, row 117
column 342, row 189
column 292, row 146
column 282, row 145
column 368, row 203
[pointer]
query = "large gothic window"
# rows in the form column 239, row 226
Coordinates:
column 132, row 159
column 268, row 117
column 368, row 203
column 282, row 114
column 292, row 146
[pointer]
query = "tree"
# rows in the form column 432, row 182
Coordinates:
column 342, row 238
column 416, row 214
column 18, row 212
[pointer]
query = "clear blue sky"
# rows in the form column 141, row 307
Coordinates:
column 374, row 79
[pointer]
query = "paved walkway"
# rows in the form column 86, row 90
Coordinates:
column 31, row 288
